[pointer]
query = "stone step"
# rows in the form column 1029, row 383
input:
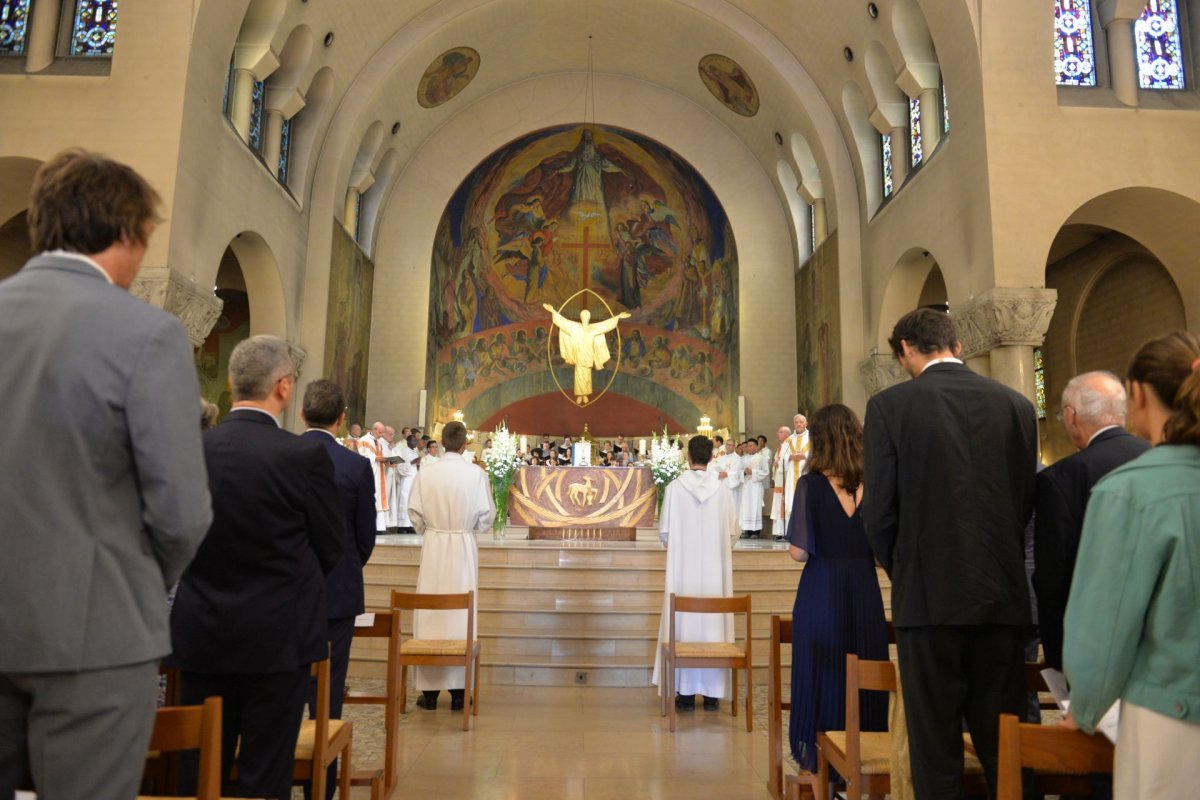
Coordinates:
column 582, row 598
column 514, row 575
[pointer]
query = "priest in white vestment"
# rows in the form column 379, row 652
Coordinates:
column 392, row 450
column 755, row 472
column 451, row 502
column 790, row 464
column 698, row 524
column 374, row 447
column 728, row 466
column 406, row 472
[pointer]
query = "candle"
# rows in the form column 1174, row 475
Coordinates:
column 524, row 445
column 641, row 448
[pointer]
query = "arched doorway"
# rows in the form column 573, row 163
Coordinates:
column 16, row 180
column 233, row 326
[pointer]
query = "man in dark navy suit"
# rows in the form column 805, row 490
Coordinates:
column 1093, row 413
column 324, row 414
column 250, row 617
column 948, row 491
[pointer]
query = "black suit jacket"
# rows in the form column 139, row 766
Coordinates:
column 1062, row 495
column 948, row 491
column 253, row 599
column 356, row 486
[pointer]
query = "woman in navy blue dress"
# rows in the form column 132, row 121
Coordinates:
column 838, row 608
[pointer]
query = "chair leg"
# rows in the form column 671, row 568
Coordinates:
column 467, row 693
column 733, row 699
column 671, row 693
column 404, row 689
column 475, row 704
column 344, row 772
column 662, row 682
column 749, row 698
column 822, row 782
column 319, row 775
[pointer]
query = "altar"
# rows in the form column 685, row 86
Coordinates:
column 583, row 502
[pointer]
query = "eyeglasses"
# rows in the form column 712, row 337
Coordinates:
column 1059, row 414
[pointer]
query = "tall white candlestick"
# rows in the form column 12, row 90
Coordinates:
column 524, row 445
column 641, row 448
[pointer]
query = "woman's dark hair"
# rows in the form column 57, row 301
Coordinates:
column 1170, row 366
column 837, row 445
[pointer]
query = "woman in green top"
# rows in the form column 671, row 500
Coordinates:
column 1133, row 618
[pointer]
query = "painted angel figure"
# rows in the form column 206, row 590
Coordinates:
column 583, row 346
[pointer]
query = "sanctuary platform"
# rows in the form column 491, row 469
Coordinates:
column 576, row 612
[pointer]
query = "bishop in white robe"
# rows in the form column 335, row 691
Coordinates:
column 728, row 466
column 755, row 472
column 698, row 524
column 406, row 472
column 451, row 503
column 790, row 464
column 374, row 448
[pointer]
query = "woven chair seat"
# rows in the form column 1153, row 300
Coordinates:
column 874, row 747
column 708, row 650
column 308, row 736
column 434, row 647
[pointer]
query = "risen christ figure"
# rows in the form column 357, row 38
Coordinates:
column 582, row 345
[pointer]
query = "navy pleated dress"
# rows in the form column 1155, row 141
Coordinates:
column 838, row 610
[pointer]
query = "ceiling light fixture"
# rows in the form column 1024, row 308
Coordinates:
column 589, row 88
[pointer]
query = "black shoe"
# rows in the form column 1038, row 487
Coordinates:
column 685, row 703
column 428, row 701
column 456, row 699
column 777, row 538
column 747, row 535
column 711, row 704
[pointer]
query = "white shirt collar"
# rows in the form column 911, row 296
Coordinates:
column 260, row 411
column 1097, row 433
column 80, row 257
column 946, row 360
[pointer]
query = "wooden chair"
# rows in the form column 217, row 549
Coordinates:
column 441, row 652
column 386, row 625
column 708, row 655
column 323, row 740
column 793, row 784
column 193, row 728
column 863, row 757
column 1060, row 757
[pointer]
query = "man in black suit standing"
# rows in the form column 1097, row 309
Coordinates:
column 250, row 614
column 1093, row 413
column 323, row 414
column 950, row 459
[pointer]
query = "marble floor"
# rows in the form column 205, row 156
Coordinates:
column 569, row 743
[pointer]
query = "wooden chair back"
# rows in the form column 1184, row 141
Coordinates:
column 330, row 740
column 781, row 634
column 1052, row 752
column 468, row 659
column 179, row 728
column 671, row 659
column 385, row 625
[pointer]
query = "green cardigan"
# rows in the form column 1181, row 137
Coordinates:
column 1132, row 628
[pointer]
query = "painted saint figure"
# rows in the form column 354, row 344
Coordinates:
column 586, row 166
column 583, row 346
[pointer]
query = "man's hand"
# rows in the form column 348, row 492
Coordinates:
column 747, row 471
column 797, row 456
column 624, row 315
column 1067, row 722
column 548, row 307
column 722, row 475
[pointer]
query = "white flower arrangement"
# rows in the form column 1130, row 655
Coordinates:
column 666, row 462
column 501, row 460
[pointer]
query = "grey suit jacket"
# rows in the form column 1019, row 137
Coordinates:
column 103, row 492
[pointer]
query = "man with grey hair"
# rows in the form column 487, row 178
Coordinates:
column 250, row 614
column 374, row 447
column 1093, row 414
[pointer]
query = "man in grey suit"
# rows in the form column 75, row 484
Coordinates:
column 106, row 511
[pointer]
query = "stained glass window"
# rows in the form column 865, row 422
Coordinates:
column 95, row 29
column 1039, row 382
column 257, row 95
column 228, row 89
column 14, row 15
column 357, row 215
column 1074, row 55
column 812, row 226
column 945, row 111
column 916, row 148
column 1160, row 53
column 285, row 150
column 886, row 151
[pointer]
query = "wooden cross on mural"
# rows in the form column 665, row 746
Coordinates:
column 586, row 246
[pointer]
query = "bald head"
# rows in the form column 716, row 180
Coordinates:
column 783, row 432
column 1092, row 401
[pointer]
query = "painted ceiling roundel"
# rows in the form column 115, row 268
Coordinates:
column 448, row 75
column 730, row 84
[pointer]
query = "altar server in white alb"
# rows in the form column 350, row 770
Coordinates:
column 728, row 467
column 374, row 447
column 755, row 472
column 790, row 464
column 698, row 524
column 451, row 502
column 406, row 473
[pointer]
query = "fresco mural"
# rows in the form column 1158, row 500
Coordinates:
column 348, row 326
column 448, row 75
column 212, row 357
column 583, row 207
column 818, row 329
column 730, row 84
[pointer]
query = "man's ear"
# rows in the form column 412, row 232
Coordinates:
column 957, row 348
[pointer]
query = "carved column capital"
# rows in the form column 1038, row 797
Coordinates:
column 298, row 356
column 1004, row 316
column 197, row 309
column 880, row 372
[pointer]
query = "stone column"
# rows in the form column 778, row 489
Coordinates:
column 1122, row 60
column 931, row 120
column 820, row 220
column 1004, row 325
column 900, row 157
column 241, row 100
column 880, row 372
column 272, row 139
column 42, row 34
column 980, row 365
column 197, row 308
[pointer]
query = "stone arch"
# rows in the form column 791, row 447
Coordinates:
column 866, row 139
column 252, row 50
column 912, row 280
column 16, row 179
column 362, row 173
column 374, row 198
column 881, row 76
column 304, row 136
column 264, row 286
column 806, row 162
column 283, row 92
column 920, row 69
column 799, row 209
